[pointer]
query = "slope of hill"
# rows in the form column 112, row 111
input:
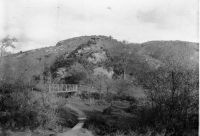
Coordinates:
column 184, row 54
column 94, row 52
column 30, row 65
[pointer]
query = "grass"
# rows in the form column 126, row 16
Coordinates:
column 132, row 133
column 38, row 132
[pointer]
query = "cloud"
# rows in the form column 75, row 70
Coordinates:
column 38, row 23
column 169, row 15
column 153, row 16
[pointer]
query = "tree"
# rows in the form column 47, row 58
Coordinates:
column 125, row 42
column 171, row 92
column 120, row 60
column 7, row 42
column 75, row 74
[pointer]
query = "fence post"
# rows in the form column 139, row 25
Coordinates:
column 66, row 87
column 49, row 87
column 62, row 87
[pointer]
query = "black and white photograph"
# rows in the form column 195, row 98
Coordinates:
column 99, row 67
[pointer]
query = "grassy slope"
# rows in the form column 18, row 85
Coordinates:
column 25, row 65
column 183, row 53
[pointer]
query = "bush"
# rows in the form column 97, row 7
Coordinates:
column 22, row 107
column 132, row 133
column 173, row 100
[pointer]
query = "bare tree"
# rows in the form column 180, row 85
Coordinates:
column 172, row 93
column 7, row 42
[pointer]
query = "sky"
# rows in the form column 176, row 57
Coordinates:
column 40, row 23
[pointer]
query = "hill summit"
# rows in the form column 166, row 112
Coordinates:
column 93, row 55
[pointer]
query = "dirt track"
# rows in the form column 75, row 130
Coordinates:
column 77, row 130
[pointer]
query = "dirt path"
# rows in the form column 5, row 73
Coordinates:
column 77, row 130
column 80, row 113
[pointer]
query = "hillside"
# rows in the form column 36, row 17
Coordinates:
column 134, row 86
column 185, row 54
column 95, row 54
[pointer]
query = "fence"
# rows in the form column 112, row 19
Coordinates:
column 58, row 88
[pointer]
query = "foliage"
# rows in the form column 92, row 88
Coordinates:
column 119, row 60
column 60, row 62
column 121, row 86
column 132, row 133
column 172, row 100
column 7, row 42
column 75, row 74
column 22, row 107
column 101, row 82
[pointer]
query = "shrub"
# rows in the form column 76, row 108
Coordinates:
column 22, row 107
column 171, row 95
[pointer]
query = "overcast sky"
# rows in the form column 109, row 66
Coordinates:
column 39, row 23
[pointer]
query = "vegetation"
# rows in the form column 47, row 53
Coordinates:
column 113, row 71
column 23, row 108
column 173, row 100
column 5, row 43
